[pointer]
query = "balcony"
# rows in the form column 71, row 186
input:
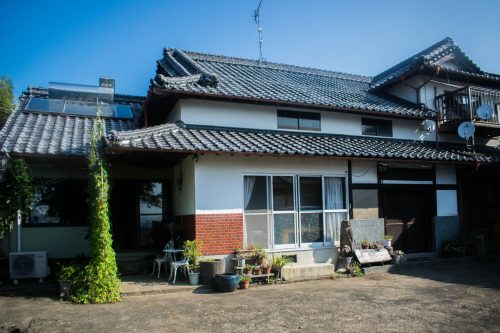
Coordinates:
column 461, row 105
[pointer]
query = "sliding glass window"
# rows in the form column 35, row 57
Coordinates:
column 292, row 211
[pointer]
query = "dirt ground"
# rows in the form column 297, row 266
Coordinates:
column 451, row 297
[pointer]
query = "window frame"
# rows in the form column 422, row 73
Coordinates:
column 59, row 192
column 298, row 115
column 270, row 213
column 376, row 122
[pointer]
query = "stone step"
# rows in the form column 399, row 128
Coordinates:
column 299, row 272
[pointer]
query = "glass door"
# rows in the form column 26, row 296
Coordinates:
column 311, row 211
column 284, row 214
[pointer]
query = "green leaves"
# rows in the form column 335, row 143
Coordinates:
column 6, row 99
column 99, row 281
column 18, row 193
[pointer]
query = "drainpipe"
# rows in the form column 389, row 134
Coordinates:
column 18, row 225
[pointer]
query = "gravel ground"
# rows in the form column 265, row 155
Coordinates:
column 443, row 297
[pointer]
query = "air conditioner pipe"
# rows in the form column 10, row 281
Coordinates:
column 18, row 230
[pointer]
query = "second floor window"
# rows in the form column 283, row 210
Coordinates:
column 307, row 121
column 376, row 127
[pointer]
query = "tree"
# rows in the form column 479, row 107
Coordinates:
column 6, row 99
column 17, row 193
column 98, row 282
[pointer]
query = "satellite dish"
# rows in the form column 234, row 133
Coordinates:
column 427, row 125
column 466, row 129
column 484, row 111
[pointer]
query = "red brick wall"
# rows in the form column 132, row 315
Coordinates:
column 220, row 233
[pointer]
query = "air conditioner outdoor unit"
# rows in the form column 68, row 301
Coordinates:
column 25, row 265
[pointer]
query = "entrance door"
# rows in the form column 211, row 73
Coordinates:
column 407, row 215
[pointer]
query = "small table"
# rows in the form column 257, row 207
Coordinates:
column 173, row 252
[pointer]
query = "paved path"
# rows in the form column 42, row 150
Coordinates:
column 442, row 298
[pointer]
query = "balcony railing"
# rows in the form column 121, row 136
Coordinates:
column 462, row 104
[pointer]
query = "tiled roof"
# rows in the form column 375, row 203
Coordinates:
column 202, row 139
column 226, row 77
column 433, row 56
column 35, row 133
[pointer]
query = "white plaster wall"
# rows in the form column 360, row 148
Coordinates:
column 364, row 172
column 446, row 175
column 446, row 202
column 219, row 178
column 202, row 112
column 175, row 113
column 212, row 113
column 184, row 194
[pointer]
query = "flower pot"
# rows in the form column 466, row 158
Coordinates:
column 209, row 269
column 244, row 284
column 387, row 242
column 241, row 262
column 364, row 247
column 227, row 282
column 257, row 271
column 64, row 288
column 194, row 278
column 346, row 262
column 267, row 270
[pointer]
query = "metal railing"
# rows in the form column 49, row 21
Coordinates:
column 462, row 104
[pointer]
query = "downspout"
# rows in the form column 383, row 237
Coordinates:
column 18, row 225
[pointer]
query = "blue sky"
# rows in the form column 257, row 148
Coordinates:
column 78, row 41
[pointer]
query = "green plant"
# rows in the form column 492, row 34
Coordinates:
column 98, row 281
column 355, row 269
column 245, row 278
column 194, row 268
column 69, row 272
column 280, row 261
column 6, row 99
column 388, row 237
column 192, row 251
column 365, row 243
column 18, row 193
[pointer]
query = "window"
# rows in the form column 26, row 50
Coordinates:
column 150, row 212
column 59, row 203
column 307, row 121
column 376, row 127
column 285, row 211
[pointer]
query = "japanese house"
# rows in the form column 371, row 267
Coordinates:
column 235, row 151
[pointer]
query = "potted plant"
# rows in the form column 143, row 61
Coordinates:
column 192, row 252
column 245, row 282
column 257, row 270
column 398, row 257
column 66, row 276
column 248, row 269
column 194, row 275
column 387, row 240
column 266, row 268
column 277, row 263
column 365, row 244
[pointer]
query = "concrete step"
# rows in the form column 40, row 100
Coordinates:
column 299, row 272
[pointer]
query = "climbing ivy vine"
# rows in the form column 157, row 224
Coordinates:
column 99, row 281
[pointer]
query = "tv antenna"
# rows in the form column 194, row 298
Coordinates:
column 256, row 17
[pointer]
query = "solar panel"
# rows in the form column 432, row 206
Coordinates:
column 82, row 108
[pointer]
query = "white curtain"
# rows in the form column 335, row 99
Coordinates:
column 334, row 193
column 249, row 183
column 332, row 225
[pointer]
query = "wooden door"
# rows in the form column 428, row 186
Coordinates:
column 407, row 215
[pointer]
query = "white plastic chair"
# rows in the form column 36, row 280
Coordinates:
column 175, row 265
column 163, row 260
